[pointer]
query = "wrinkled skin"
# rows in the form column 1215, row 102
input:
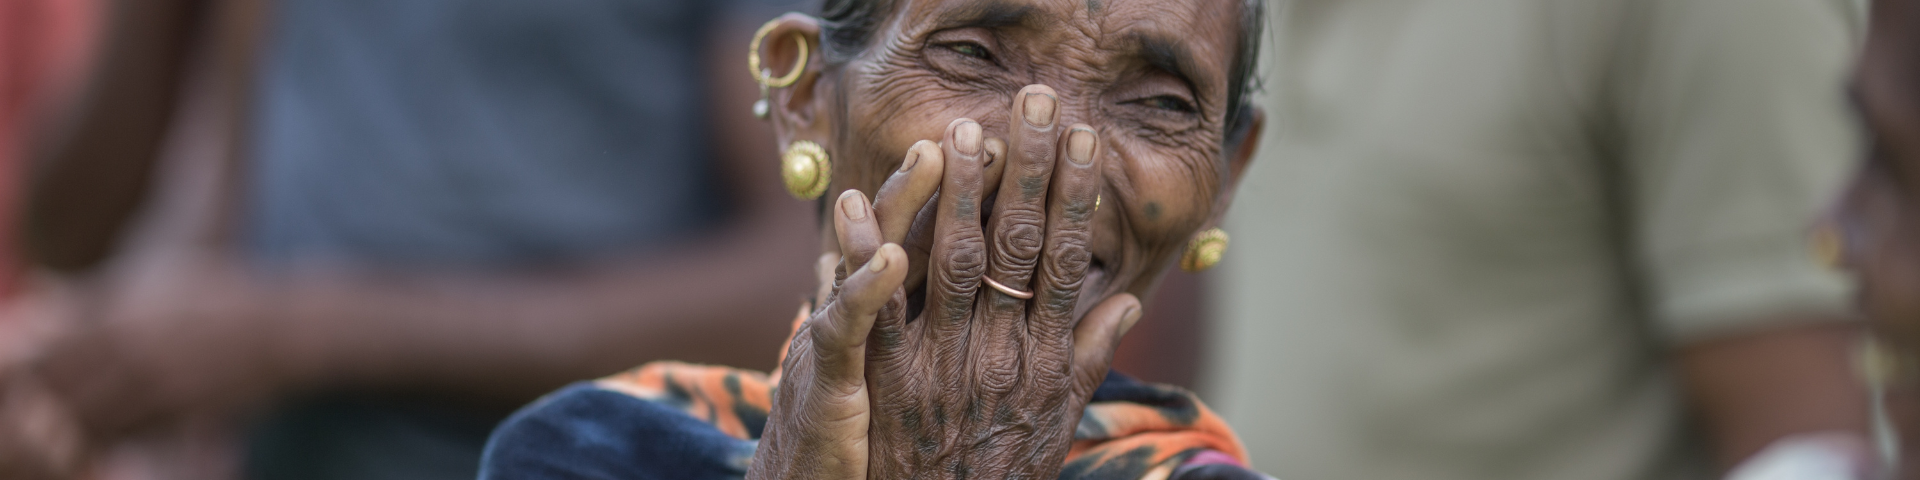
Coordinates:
column 985, row 138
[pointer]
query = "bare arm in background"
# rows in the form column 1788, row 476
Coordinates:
column 170, row 322
column 1755, row 388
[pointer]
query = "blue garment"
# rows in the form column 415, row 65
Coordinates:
column 480, row 133
column 584, row 432
column 464, row 134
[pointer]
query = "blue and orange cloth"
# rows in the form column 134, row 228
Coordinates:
column 672, row 420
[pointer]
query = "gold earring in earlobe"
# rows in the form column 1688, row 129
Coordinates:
column 765, row 76
column 1204, row 251
column 806, row 169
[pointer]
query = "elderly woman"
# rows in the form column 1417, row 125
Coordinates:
column 1033, row 166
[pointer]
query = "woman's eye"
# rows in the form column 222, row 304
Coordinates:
column 1168, row 102
column 970, row 49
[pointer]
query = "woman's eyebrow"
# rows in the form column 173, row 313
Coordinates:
column 987, row 14
column 1173, row 56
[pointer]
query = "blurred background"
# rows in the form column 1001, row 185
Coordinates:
column 310, row 239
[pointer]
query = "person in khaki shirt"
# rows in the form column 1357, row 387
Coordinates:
column 1522, row 239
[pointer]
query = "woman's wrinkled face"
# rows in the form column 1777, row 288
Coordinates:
column 1151, row 77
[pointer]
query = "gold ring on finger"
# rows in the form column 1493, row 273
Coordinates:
column 1007, row 290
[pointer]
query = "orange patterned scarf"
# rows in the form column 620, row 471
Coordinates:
column 1131, row 429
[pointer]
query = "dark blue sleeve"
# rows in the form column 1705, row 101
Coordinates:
column 585, row 432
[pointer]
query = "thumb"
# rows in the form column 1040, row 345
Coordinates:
column 839, row 334
column 1095, row 338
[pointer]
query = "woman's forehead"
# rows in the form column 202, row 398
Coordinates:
column 1200, row 32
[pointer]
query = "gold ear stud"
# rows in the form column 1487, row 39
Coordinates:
column 1204, row 251
column 806, row 169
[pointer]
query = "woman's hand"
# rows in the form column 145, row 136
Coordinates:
column 980, row 382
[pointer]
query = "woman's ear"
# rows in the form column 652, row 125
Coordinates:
column 1240, row 154
column 793, row 44
column 1249, row 144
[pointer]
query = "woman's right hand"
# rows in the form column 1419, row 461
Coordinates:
column 980, row 383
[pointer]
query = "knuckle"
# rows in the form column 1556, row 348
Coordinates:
column 997, row 380
column 1010, row 419
column 998, row 376
column 1018, row 239
column 1067, row 259
column 963, row 261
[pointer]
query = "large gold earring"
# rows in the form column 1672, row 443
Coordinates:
column 806, row 169
column 765, row 77
column 1204, row 251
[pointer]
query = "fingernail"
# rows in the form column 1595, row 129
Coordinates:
column 968, row 138
column 1080, row 146
column 856, row 207
column 913, row 158
column 878, row 263
column 1128, row 319
column 1039, row 107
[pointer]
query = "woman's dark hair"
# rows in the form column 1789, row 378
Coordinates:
column 847, row 25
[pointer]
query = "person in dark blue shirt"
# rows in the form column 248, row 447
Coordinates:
column 430, row 212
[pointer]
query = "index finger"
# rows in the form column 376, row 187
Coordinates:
column 906, row 193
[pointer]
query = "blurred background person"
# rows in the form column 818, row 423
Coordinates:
column 1877, row 222
column 391, row 222
column 1536, row 240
